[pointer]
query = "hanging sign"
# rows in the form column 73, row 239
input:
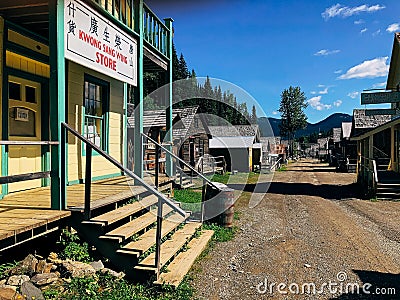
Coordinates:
column 380, row 97
column 95, row 42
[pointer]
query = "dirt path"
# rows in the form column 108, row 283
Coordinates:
column 309, row 229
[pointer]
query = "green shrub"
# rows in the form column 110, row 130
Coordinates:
column 73, row 248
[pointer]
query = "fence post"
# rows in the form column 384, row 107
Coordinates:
column 88, row 181
column 157, row 166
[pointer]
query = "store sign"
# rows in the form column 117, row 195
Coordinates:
column 380, row 97
column 380, row 112
column 22, row 114
column 94, row 42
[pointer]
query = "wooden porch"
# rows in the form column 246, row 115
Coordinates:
column 26, row 215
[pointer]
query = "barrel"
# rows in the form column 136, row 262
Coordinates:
column 219, row 207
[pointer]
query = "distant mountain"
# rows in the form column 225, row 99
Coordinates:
column 334, row 120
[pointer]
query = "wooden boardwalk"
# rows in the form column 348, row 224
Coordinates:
column 28, row 213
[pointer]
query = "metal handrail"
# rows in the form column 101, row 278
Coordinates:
column 182, row 161
column 276, row 163
column 375, row 171
column 379, row 150
column 25, row 143
column 125, row 170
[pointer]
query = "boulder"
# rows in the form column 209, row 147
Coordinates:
column 44, row 278
column 17, row 280
column 27, row 266
column 97, row 265
column 30, row 291
column 78, row 269
column 113, row 273
column 43, row 267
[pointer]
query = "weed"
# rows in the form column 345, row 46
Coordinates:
column 221, row 234
column 73, row 248
column 5, row 269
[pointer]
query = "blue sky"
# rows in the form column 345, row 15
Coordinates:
column 332, row 50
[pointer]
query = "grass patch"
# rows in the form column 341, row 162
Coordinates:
column 107, row 287
column 282, row 168
column 247, row 178
column 221, row 234
column 190, row 199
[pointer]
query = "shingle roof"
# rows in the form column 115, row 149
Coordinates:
column 151, row 118
column 336, row 134
column 362, row 121
column 186, row 116
column 234, row 130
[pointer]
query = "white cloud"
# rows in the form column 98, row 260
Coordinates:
column 337, row 103
column 338, row 71
column 325, row 52
column 275, row 113
column 321, row 85
column 376, row 32
column 315, row 102
column 313, row 92
column 379, row 85
column 324, row 91
column 353, row 95
column 363, row 30
column 393, row 27
column 376, row 67
column 344, row 11
column 358, row 22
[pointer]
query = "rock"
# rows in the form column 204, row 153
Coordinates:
column 27, row 266
column 78, row 269
column 17, row 280
column 9, row 294
column 30, row 291
column 307, row 265
column 13, row 287
column 113, row 273
column 45, row 278
column 43, row 266
column 97, row 265
column 53, row 257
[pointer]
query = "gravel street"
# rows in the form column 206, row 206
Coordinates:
column 310, row 230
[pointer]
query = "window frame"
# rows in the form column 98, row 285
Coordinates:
column 105, row 104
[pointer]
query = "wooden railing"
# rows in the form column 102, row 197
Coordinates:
column 211, row 164
column 162, row 199
column 178, row 169
column 155, row 32
column 27, row 176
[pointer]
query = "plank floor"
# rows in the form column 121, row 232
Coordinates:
column 26, row 210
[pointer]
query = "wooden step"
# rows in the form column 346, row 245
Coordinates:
column 182, row 263
column 149, row 237
column 129, row 229
column 124, row 211
column 169, row 248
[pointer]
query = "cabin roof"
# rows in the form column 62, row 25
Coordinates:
column 235, row 131
column 242, row 142
column 361, row 121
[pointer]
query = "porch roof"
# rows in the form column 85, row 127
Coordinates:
column 241, row 142
column 376, row 130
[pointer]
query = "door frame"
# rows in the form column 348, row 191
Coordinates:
column 45, row 130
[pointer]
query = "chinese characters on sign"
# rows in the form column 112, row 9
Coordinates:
column 380, row 97
column 94, row 42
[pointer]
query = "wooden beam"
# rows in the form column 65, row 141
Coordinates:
column 24, row 177
column 20, row 143
column 12, row 4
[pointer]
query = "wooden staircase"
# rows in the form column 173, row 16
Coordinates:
column 126, row 234
column 388, row 187
column 141, row 231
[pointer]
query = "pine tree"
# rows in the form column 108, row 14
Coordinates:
column 183, row 72
column 293, row 103
column 175, row 64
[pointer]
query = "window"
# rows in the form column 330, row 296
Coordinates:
column 14, row 91
column 95, row 110
column 30, row 94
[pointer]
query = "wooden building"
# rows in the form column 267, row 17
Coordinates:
column 69, row 70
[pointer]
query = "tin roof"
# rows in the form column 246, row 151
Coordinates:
column 231, row 142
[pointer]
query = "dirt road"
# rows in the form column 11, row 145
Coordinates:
column 309, row 238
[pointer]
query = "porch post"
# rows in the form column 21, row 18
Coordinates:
column 168, row 137
column 392, row 149
column 139, row 93
column 57, row 101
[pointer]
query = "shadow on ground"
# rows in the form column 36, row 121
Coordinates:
column 327, row 191
column 377, row 285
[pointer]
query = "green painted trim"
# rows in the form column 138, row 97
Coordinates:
column 139, row 93
column 125, row 128
column 108, row 176
column 58, row 101
column 4, row 107
column 45, row 101
column 168, row 136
